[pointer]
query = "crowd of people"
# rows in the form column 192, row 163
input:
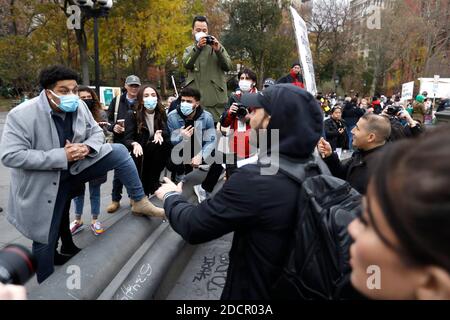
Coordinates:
column 56, row 143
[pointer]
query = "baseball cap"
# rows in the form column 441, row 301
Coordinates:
column 133, row 80
column 268, row 82
column 262, row 99
column 294, row 112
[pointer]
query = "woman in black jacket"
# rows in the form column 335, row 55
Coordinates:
column 335, row 129
column 146, row 135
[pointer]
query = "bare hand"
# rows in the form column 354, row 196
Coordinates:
column 341, row 130
column 405, row 116
column 168, row 186
column 216, row 45
column 157, row 138
column 324, row 148
column 201, row 43
column 234, row 108
column 118, row 129
column 103, row 123
column 137, row 150
column 187, row 132
column 76, row 151
column 196, row 161
column 12, row 292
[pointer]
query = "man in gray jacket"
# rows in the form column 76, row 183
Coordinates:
column 53, row 144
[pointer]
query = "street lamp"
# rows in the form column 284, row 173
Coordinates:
column 96, row 9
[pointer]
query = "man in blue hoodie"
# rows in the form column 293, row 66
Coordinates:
column 259, row 208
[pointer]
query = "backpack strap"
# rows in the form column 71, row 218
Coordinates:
column 301, row 169
column 116, row 107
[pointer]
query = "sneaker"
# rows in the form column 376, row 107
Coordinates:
column 97, row 228
column 70, row 250
column 60, row 259
column 76, row 226
column 113, row 207
column 204, row 167
column 201, row 193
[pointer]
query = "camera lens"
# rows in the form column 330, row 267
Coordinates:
column 17, row 265
column 241, row 112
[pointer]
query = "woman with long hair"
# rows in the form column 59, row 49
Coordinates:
column 402, row 240
column 90, row 98
column 146, row 135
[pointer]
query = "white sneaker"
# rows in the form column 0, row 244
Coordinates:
column 201, row 193
column 204, row 167
column 76, row 227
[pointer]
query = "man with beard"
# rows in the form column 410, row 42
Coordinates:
column 259, row 208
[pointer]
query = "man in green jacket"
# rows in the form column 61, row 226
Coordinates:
column 206, row 62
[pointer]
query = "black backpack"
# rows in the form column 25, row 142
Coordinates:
column 317, row 266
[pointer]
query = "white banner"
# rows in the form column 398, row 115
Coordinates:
column 301, row 33
column 442, row 90
column 408, row 91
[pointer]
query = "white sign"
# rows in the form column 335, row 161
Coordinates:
column 107, row 94
column 407, row 90
column 443, row 87
column 304, row 51
column 436, row 84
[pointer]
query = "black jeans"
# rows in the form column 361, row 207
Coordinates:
column 151, row 164
column 208, row 183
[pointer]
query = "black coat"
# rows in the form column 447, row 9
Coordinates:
column 289, row 79
column 143, row 138
column 124, row 107
column 336, row 139
column 260, row 209
column 354, row 170
column 351, row 113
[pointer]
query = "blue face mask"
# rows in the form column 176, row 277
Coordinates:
column 67, row 103
column 150, row 103
column 186, row 108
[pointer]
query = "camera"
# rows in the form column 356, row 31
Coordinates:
column 209, row 40
column 241, row 111
column 393, row 110
column 17, row 265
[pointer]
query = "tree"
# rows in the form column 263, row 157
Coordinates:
column 331, row 38
column 254, row 34
column 153, row 32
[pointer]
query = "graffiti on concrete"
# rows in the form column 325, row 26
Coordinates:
column 213, row 273
column 127, row 291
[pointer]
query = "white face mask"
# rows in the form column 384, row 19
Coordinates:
column 245, row 85
column 199, row 36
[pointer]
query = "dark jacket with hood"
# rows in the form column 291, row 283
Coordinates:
column 260, row 209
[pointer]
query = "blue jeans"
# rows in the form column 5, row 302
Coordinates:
column 94, row 193
column 118, row 159
column 350, row 137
